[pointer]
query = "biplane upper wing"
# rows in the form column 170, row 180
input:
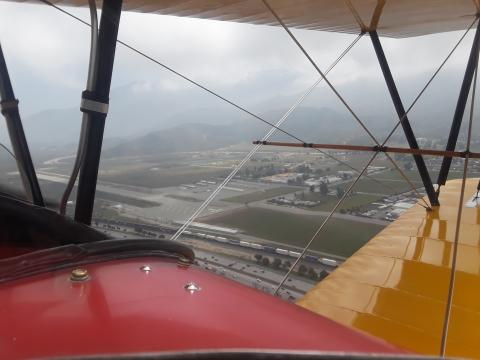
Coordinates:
column 392, row 18
column 396, row 286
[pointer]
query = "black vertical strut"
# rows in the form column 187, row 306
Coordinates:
column 460, row 109
column 9, row 109
column 407, row 129
column 95, row 105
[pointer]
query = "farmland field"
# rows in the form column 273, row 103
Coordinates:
column 340, row 237
column 350, row 202
column 262, row 195
column 165, row 177
column 53, row 191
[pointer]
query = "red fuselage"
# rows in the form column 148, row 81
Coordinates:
column 122, row 309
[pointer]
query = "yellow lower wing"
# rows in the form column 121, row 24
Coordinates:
column 395, row 287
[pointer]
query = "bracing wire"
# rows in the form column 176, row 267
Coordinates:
column 276, row 127
column 8, row 150
column 256, row 116
column 166, row 67
column 401, row 172
column 314, row 64
column 409, row 182
column 257, row 147
column 356, row 16
column 360, row 122
column 434, row 75
column 327, row 219
column 186, row 78
column 403, row 117
column 429, row 82
column 451, row 285
column 369, row 133
column 339, row 96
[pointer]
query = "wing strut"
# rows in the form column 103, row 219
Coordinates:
column 460, row 109
column 9, row 109
column 407, row 129
column 95, row 105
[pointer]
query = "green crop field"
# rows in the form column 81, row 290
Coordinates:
column 384, row 186
column 357, row 200
column 340, row 237
column 262, row 195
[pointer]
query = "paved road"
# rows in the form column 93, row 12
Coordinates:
column 238, row 269
column 251, row 275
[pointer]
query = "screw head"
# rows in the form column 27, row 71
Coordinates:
column 146, row 268
column 79, row 274
column 191, row 287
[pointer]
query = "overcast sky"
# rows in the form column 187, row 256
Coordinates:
column 47, row 55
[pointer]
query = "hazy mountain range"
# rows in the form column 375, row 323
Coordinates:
column 147, row 121
column 323, row 123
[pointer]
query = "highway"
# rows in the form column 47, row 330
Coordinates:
column 221, row 260
column 251, row 275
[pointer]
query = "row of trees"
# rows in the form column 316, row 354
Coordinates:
column 323, row 189
column 277, row 263
column 257, row 172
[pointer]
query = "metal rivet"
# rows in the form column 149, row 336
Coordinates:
column 191, row 287
column 79, row 274
column 146, row 268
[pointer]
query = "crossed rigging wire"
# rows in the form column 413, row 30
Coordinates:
column 257, row 147
column 451, row 288
column 350, row 110
column 276, row 127
column 297, row 103
column 360, row 122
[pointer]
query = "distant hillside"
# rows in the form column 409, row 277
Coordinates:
column 132, row 112
column 312, row 125
column 138, row 109
column 187, row 137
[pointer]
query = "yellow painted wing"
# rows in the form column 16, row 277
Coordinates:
column 395, row 287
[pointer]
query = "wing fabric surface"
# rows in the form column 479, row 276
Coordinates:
column 395, row 18
column 395, row 287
